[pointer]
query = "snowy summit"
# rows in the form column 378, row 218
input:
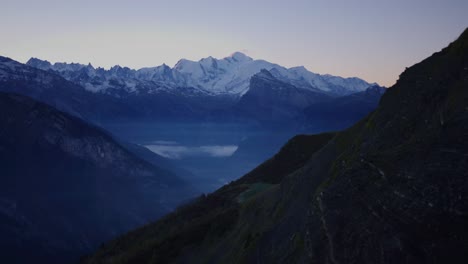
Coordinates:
column 228, row 76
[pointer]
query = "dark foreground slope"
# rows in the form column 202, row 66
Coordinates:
column 391, row 189
column 66, row 186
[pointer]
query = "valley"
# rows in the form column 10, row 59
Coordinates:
column 214, row 153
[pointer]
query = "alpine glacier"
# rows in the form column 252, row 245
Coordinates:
column 208, row 76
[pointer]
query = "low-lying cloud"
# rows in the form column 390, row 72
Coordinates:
column 173, row 151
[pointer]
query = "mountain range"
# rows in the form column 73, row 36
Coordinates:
column 232, row 89
column 390, row 189
column 209, row 76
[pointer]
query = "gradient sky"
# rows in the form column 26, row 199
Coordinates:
column 371, row 39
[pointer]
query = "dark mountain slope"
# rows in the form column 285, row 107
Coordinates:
column 157, row 160
column 406, row 171
column 272, row 101
column 275, row 103
column 66, row 186
column 292, row 156
column 342, row 112
column 391, row 189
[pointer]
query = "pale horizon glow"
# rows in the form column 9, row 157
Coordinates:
column 372, row 40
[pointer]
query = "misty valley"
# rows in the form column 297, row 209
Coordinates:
column 213, row 154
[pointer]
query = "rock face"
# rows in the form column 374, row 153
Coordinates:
column 271, row 100
column 391, row 189
column 67, row 186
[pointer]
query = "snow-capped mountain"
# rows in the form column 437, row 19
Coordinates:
column 209, row 76
column 56, row 91
column 176, row 94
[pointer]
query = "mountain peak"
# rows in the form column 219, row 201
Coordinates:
column 182, row 63
column 115, row 67
column 209, row 58
column 299, row 69
column 240, row 57
column 38, row 63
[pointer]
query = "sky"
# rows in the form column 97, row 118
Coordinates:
column 371, row 39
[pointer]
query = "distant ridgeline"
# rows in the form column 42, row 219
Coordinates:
column 393, row 188
column 233, row 89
